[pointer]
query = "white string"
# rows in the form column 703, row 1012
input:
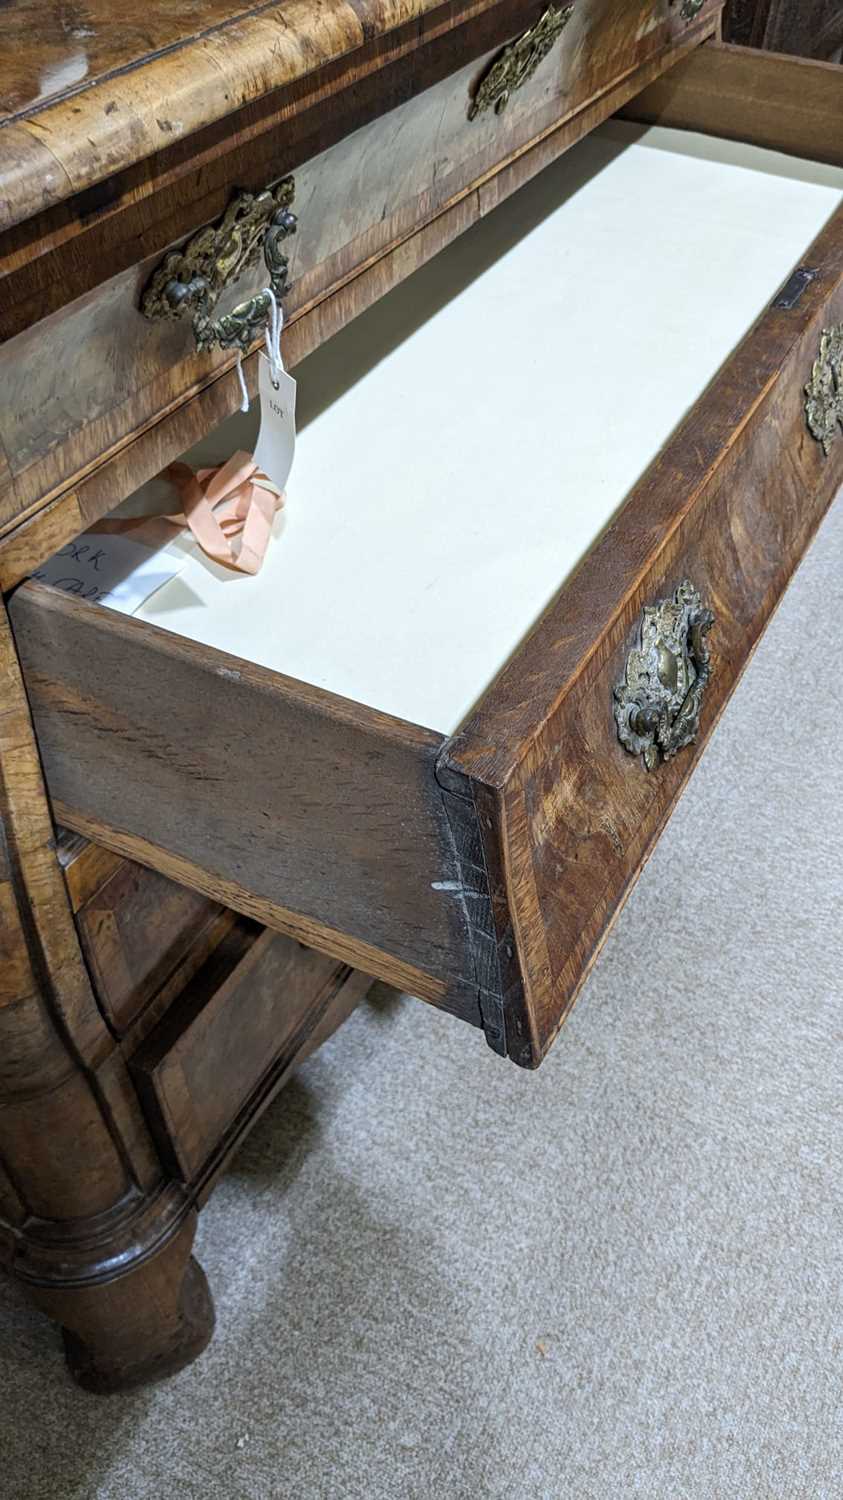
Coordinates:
column 244, row 394
column 273, row 336
column 273, row 347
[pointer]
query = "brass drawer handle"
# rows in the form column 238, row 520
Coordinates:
column 658, row 703
column 189, row 282
column 518, row 62
column 824, row 391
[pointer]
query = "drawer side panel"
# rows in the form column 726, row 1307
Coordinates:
column 785, row 103
column 314, row 815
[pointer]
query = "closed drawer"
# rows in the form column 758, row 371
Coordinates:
column 138, row 930
column 258, row 1008
column 400, row 743
column 373, row 162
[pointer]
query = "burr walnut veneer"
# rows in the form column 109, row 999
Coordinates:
column 220, row 809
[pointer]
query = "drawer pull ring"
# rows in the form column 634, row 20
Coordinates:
column 824, row 391
column 658, row 703
column 518, row 62
column 189, row 282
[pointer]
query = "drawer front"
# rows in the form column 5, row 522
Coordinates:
column 111, row 372
column 569, row 813
column 138, row 930
column 261, row 1005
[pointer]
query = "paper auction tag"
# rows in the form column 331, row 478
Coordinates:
column 110, row 568
column 277, row 436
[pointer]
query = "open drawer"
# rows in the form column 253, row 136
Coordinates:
column 591, row 405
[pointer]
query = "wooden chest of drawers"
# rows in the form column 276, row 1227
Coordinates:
column 548, row 492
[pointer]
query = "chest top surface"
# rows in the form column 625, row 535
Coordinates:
column 89, row 87
column 54, row 50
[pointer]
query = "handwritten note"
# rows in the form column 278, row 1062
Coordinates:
column 110, row 568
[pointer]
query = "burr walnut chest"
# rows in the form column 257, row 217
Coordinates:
column 563, row 290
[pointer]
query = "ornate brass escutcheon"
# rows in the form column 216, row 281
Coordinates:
column 824, row 391
column 189, row 282
column 519, row 61
column 657, row 705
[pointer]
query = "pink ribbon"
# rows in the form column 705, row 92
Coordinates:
column 236, row 499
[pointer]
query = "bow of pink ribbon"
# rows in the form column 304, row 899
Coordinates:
column 229, row 509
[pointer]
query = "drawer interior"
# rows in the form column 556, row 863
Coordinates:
column 464, row 442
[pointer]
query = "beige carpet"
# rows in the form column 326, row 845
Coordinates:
column 437, row 1276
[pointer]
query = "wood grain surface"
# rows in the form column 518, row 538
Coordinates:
column 315, row 815
column 139, row 86
column 136, row 930
column 788, row 104
column 128, row 1330
column 256, row 1010
column 731, row 502
column 86, row 866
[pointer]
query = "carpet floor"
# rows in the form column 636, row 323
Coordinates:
column 438, row 1276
